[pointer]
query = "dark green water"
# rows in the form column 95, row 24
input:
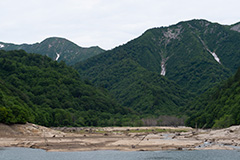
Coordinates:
column 37, row 154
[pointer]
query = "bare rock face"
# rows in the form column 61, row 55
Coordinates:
column 236, row 27
column 172, row 34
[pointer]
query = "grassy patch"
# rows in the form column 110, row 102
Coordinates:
column 157, row 130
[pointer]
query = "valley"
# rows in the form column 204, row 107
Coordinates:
column 187, row 72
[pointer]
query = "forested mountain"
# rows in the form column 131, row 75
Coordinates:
column 58, row 49
column 36, row 89
column 219, row 107
column 168, row 65
column 145, row 92
column 158, row 73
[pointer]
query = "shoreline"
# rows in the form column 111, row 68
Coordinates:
column 118, row 138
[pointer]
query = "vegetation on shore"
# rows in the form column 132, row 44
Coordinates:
column 219, row 107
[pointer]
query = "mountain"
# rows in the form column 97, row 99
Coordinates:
column 135, row 87
column 56, row 48
column 34, row 88
column 181, row 61
column 219, row 107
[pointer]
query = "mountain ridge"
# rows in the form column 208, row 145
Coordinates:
column 56, row 48
column 196, row 55
column 161, row 71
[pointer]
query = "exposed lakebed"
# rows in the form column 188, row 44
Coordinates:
column 118, row 138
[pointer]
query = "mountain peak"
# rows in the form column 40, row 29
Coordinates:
column 57, row 48
column 185, row 53
column 55, row 39
column 57, row 42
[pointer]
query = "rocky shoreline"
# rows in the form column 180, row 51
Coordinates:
column 118, row 138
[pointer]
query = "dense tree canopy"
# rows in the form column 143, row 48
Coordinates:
column 131, row 72
column 219, row 107
column 195, row 56
column 37, row 89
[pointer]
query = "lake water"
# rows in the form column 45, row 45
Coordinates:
column 38, row 154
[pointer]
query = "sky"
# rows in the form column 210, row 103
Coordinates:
column 103, row 23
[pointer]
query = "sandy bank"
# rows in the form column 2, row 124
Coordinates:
column 117, row 138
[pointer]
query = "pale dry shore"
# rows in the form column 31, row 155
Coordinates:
column 118, row 138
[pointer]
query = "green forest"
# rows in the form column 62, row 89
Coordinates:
column 219, row 107
column 145, row 92
column 67, row 51
column 131, row 72
column 36, row 89
column 125, row 86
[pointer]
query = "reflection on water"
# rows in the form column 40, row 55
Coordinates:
column 38, row 154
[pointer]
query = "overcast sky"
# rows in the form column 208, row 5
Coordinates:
column 104, row 23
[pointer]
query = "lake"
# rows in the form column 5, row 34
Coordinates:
column 38, row 154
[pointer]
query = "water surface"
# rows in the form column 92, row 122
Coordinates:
column 38, row 154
